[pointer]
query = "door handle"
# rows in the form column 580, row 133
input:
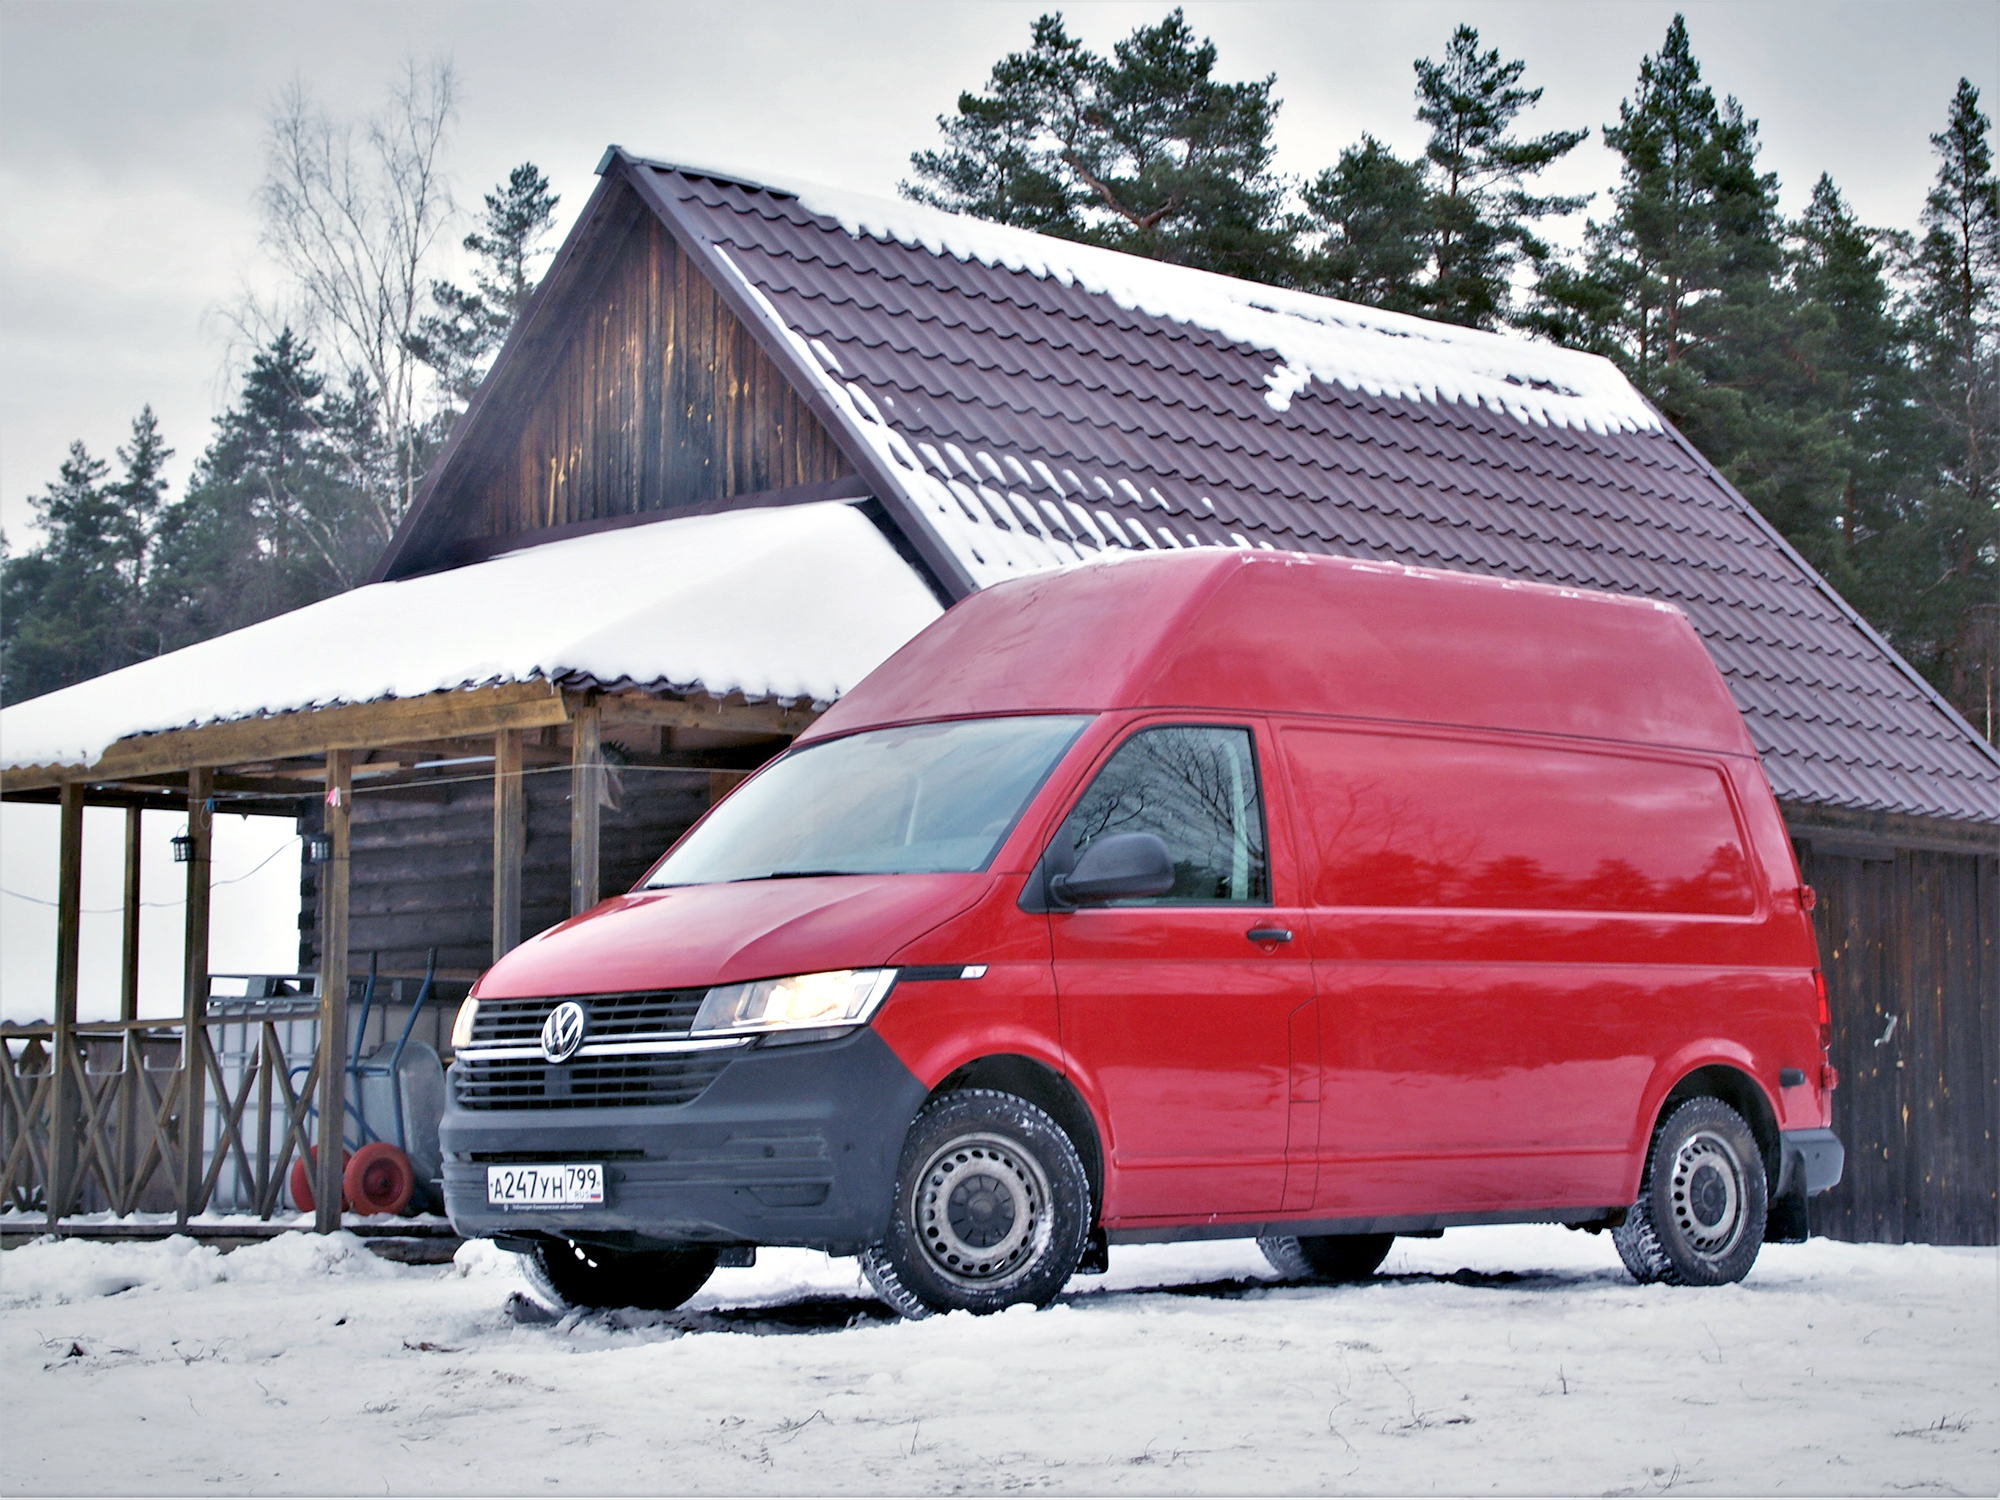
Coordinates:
column 1269, row 934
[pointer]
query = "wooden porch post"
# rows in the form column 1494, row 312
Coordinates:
column 128, row 996
column 128, row 969
column 510, row 841
column 333, row 993
column 69, row 920
column 586, row 787
column 194, row 992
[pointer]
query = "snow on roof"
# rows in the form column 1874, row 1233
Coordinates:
column 1030, row 423
column 792, row 603
column 1314, row 338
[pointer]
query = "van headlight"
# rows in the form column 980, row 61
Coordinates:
column 840, row 997
column 461, row 1028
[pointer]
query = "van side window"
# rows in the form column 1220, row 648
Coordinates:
column 1411, row 820
column 1195, row 786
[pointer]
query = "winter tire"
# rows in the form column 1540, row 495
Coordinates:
column 1702, row 1202
column 586, row 1276
column 1325, row 1257
column 992, row 1208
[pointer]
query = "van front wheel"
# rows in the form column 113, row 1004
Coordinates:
column 992, row 1209
column 1702, row 1201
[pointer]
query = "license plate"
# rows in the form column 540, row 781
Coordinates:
column 546, row 1186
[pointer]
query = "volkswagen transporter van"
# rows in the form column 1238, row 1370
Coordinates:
column 1187, row 895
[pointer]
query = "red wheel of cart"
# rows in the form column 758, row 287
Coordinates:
column 379, row 1179
column 301, row 1181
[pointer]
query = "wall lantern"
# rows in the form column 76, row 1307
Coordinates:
column 183, row 849
column 318, row 848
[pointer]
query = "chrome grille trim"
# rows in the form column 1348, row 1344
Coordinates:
column 637, row 1047
column 627, row 1015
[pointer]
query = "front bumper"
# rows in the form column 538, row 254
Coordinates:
column 793, row 1145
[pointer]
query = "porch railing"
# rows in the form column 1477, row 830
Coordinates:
column 122, row 1139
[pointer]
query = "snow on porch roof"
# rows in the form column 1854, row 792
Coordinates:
column 793, row 603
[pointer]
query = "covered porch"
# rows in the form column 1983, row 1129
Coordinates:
column 632, row 676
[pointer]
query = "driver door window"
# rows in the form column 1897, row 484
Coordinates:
column 1195, row 787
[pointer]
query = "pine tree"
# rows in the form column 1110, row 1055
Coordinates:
column 1482, row 216
column 1686, row 286
column 1695, row 228
column 1004, row 153
column 139, row 493
column 1956, row 270
column 1860, row 372
column 1145, row 152
column 1372, row 214
column 277, row 514
column 461, row 338
column 71, row 606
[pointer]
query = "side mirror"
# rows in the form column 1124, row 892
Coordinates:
column 1118, row 866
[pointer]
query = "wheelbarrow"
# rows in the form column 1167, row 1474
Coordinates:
column 392, row 1101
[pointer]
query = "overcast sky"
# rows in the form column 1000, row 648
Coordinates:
column 131, row 148
column 131, row 135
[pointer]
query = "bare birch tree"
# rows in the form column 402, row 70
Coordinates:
column 355, row 212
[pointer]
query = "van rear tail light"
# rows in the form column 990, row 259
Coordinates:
column 1829, row 1077
column 1808, row 898
column 1825, row 1015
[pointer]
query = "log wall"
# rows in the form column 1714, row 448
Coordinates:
column 1911, row 934
column 421, row 870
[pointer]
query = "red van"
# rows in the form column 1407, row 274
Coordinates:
column 1211, row 894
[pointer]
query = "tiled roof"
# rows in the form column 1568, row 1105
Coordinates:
column 1031, row 419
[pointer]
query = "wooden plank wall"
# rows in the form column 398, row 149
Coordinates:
column 655, row 399
column 1912, row 934
column 422, row 864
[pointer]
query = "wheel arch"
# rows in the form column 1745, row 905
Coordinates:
column 1742, row 1093
column 1046, row 1089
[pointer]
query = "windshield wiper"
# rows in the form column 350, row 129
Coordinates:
column 800, row 874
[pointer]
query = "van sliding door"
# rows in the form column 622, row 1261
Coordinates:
column 1511, row 936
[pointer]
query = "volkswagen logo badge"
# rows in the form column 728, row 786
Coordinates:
column 562, row 1032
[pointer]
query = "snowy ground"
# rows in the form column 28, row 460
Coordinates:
column 1496, row 1360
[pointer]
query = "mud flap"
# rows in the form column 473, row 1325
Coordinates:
column 1789, row 1221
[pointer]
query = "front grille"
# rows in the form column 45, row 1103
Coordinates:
column 584, row 1083
column 645, row 1013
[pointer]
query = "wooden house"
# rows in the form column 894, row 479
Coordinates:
column 749, row 437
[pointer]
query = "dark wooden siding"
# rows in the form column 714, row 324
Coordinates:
column 1911, row 934
column 422, row 864
column 654, row 398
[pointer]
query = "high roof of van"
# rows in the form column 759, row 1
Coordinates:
column 1277, row 632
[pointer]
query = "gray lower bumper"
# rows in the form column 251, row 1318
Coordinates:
column 788, row 1146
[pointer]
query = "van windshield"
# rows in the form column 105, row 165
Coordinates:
column 919, row 799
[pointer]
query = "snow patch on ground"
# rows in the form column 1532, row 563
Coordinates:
column 63, row 1271
column 1509, row 1361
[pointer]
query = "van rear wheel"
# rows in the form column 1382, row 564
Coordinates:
column 1702, row 1202
column 1326, row 1257
column 587, row 1276
column 992, row 1209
